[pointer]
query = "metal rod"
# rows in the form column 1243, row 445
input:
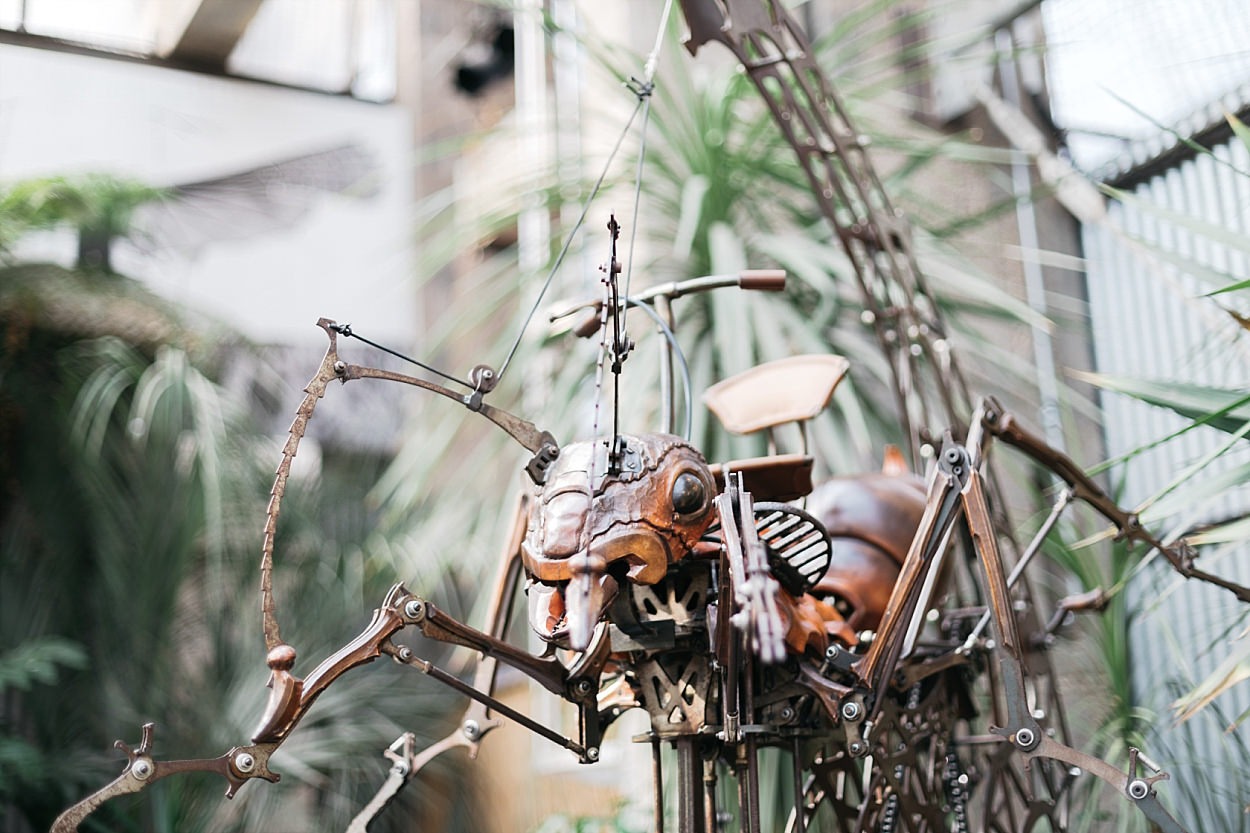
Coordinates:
column 800, row 823
column 657, row 778
column 752, row 822
column 1035, row 546
column 689, row 793
column 504, row 709
column 667, row 416
column 1030, row 245
column 711, row 810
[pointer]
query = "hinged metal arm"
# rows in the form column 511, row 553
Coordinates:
column 1180, row 555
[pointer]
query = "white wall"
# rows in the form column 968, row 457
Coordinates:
column 348, row 258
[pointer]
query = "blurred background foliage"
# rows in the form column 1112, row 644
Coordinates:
column 134, row 487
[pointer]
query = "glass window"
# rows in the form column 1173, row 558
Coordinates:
column 340, row 46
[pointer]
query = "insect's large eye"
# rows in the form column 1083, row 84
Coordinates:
column 689, row 494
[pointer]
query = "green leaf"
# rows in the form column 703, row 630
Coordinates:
column 1235, row 287
column 37, row 662
column 1234, row 240
column 1240, row 130
column 1223, row 408
column 1234, row 670
column 1233, row 532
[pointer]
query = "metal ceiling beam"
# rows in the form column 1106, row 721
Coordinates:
column 212, row 33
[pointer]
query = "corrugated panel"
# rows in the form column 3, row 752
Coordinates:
column 1150, row 322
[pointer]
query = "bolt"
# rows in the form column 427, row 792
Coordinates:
column 851, row 712
column 583, row 687
column 414, row 609
column 592, row 754
column 1138, row 789
column 471, row 729
column 858, row 748
column 400, row 768
column 340, row 367
column 404, row 653
column 952, row 455
column 1026, row 739
column 832, row 652
column 142, row 769
column 244, row 762
column 787, row 714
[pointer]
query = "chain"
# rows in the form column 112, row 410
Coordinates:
column 957, row 791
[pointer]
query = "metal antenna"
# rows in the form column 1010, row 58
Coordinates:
column 621, row 343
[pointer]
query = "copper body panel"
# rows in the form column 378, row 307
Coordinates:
column 871, row 519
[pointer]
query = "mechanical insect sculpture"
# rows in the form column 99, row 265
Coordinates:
column 880, row 633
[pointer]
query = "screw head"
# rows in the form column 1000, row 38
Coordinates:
column 1026, row 739
column 405, row 653
column 142, row 769
column 244, row 762
column 1138, row 789
column 592, row 754
column 851, row 711
column 583, row 687
column 340, row 367
column 414, row 609
column 471, row 729
column 857, row 748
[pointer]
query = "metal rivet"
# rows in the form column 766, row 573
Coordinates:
column 1138, row 789
column 1026, row 739
column 471, row 729
column 142, row 769
column 851, row 711
column 592, row 754
column 340, row 367
column 405, row 653
column 413, row 609
column 244, row 762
